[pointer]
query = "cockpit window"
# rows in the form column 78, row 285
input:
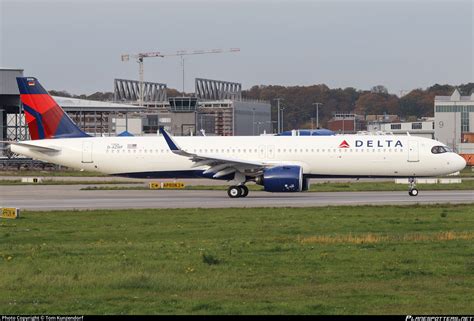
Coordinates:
column 440, row 149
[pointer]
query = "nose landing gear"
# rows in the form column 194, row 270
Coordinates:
column 412, row 190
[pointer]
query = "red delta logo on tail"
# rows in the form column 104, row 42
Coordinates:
column 344, row 144
column 43, row 115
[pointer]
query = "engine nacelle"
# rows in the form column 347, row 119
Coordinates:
column 282, row 179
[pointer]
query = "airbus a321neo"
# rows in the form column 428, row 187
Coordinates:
column 279, row 163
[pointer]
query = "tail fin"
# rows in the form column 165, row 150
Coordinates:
column 44, row 116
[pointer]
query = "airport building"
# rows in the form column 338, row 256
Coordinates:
column 346, row 123
column 12, row 124
column 454, row 123
column 216, row 108
column 423, row 128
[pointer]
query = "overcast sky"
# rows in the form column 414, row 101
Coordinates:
column 76, row 45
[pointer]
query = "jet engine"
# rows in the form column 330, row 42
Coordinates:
column 283, row 179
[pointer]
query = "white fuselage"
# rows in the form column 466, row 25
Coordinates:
column 363, row 155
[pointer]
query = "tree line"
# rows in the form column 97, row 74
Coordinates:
column 300, row 112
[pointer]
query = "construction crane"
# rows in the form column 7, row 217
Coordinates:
column 139, row 58
column 180, row 53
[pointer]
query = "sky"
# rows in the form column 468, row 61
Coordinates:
column 77, row 45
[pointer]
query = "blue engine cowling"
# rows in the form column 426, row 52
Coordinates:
column 282, row 179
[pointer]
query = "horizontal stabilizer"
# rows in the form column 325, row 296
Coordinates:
column 33, row 147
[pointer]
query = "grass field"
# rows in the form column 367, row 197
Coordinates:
column 333, row 260
column 66, row 182
column 51, row 173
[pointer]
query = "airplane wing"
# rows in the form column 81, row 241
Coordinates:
column 218, row 165
column 37, row 148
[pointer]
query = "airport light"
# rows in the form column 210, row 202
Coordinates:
column 253, row 122
column 282, row 109
column 278, row 112
column 317, row 114
column 258, row 126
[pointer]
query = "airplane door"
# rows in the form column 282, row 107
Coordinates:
column 87, row 152
column 413, row 153
column 261, row 151
column 271, row 152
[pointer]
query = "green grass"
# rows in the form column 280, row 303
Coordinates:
column 321, row 187
column 468, row 171
column 54, row 173
column 333, row 260
column 65, row 182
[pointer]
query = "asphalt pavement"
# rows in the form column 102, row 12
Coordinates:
column 59, row 197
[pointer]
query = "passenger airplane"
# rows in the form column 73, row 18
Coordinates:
column 279, row 163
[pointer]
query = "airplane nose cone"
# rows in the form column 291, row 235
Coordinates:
column 459, row 163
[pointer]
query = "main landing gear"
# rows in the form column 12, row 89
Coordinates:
column 412, row 190
column 237, row 191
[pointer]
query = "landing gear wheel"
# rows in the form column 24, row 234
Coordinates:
column 245, row 190
column 234, row 191
column 413, row 192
